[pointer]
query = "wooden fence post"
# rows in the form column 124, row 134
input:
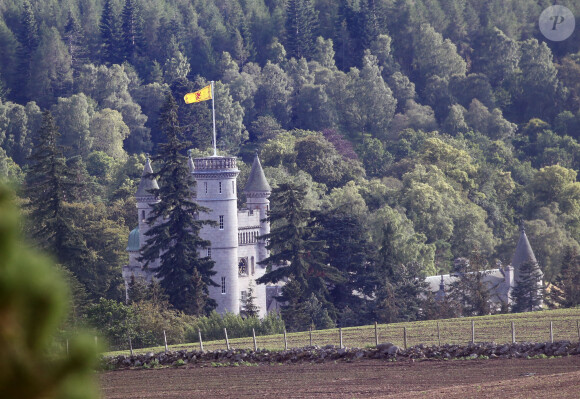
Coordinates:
column 165, row 340
column 376, row 334
column 551, row 333
column 130, row 346
column 513, row 333
column 310, row 335
column 340, row 335
column 67, row 347
column 200, row 341
column 285, row 341
column 96, row 344
column 405, row 337
column 254, row 336
column 472, row 331
column 227, row 340
column 438, row 334
column 578, row 328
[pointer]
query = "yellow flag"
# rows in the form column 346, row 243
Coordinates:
column 200, row 95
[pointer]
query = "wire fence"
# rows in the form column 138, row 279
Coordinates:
column 501, row 330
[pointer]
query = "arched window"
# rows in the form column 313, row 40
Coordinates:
column 143, row 215
column 253, row 266
column 243, row 267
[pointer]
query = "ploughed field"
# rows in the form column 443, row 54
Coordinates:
column 513, row 378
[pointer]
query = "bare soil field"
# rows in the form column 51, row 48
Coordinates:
column 513, row 378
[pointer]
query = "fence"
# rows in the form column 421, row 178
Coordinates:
column 452, row 331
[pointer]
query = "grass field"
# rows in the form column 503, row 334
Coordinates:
column 530, row 327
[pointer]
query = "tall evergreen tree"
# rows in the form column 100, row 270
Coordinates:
column 28, row 38
column 110, row 32
column 566, row 290
column 301, row 26
column 469, row 291
column 528, row 293
column 296, row 254
column 132, row 29
column 250, row 307
column 174, row 235
column 75, row 42
column 50, row 186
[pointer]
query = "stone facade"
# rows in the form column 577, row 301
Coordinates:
column 235, row 246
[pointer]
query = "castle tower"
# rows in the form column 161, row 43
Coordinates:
column 257, row 192
column 523, row 253
column 216, row 190
column 145, row 202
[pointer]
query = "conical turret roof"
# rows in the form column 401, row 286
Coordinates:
column 523, row 252
column 257, row 181
column 146, row 184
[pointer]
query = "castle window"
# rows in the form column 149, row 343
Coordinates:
column 221, row 222
column 143, row 215
column 233, row 187
column 205, row 186
column 223, row 285
column 244, row 297
column 209, row 252
column 253, row 267
column 243, row 267
column 220, row 187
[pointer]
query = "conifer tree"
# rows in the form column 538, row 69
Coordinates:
column 110, row 32
column 296, row 254
column 132, row 29
column 528, row 293
column 174, row 235
column 75, row 42
column 28, row 38
column 50, row 186
column 250, row 307
column 301, row 26
column 470, row 291
column 566, row 290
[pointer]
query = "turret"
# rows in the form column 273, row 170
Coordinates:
column 216, row 190
column 257, row 192
column 523, row 253
column 145, row 201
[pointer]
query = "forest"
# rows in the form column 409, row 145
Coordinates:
column 415, row 131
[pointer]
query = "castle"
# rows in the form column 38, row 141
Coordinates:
column 500, row 281
column 235, row 245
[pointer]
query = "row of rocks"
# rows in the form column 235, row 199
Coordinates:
column 310, row 354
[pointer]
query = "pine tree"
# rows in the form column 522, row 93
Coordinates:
column 50, row 186
column 249, row 306
column 29, row 39
column 174, row 235
column 132, row 30
column 296, row 255
column 301, row 26
column 528, row 293
column 110, row 33
column 469, row 291
column 75, row 42
column 566, row 289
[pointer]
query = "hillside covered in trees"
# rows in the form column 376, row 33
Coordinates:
column 421, row 131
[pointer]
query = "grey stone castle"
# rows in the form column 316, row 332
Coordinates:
column 500, row 281
column 235, row 246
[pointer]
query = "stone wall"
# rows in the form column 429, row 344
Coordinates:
column 385, row 351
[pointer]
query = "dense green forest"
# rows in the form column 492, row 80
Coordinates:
column 419, row 131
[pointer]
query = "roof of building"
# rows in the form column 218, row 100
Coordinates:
column 134, row 245
column 523, row 252
column 257, row 181
column 494, row 279
column 146, row 184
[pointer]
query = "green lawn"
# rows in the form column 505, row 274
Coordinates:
column 532, row 326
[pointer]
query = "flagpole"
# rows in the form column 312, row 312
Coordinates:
column 213, row 109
